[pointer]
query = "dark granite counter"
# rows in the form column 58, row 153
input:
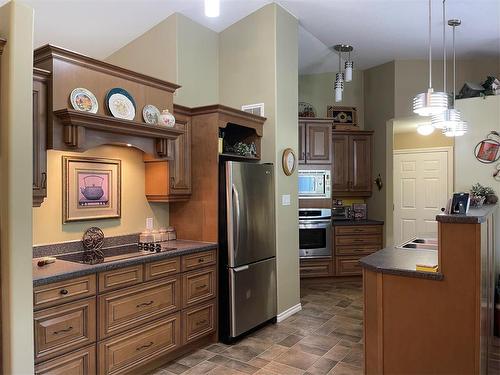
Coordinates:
column 62, row 270
column 337, row 223
column 474, row 216
column 402, row 262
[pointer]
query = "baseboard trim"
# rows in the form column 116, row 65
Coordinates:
column 289, row 312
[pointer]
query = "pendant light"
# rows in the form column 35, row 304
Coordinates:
column 340, row 77
column 451, row 120
column 430, row 103
column 349, row 65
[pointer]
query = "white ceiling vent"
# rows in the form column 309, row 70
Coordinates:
column 255, row 109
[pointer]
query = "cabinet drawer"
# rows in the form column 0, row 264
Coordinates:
column 63, row 291
column 198, row 286
column 124, row 353
column 162, row 268
column 127, row 308
column 370, row 239
column 81, row 362
column 356, row 250
column 358, row 229
column 198, row 260
column 121, row 277
column 315, row 268
column 347, row 266
column 64, row 328
column 198, row 321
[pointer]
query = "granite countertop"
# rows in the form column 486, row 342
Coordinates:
column 337, row 223
column 402, row 262
column 473, row 216
column 63, row 270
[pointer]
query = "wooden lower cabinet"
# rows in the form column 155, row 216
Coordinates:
column 347, row 266
column 123, row 328
column 316, row 267
column 126, row 352
column 79, row 362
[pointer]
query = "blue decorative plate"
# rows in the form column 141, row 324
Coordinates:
column 120, row 103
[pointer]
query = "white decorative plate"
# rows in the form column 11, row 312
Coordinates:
column 121, row 107
column 151, row 114
column 83, row 100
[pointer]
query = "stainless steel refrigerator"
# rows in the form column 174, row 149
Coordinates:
column 247, row 277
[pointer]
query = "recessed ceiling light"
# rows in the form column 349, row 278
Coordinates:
column 212, row 8
column 425, row 129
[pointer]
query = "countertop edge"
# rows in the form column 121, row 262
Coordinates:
column 83, row 269
column 474, row 216
column 437, row 276
column 340, row 223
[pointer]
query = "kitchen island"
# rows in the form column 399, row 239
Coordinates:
column 433, row 322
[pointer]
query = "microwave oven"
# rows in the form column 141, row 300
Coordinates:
column 314, row 184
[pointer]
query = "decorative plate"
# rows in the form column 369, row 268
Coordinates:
column 120, row 104
column 151, row 114
column 83, row 100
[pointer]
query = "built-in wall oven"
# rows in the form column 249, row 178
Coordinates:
column 315, row 233
column 314, row 184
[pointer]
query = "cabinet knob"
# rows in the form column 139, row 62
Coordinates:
column 64, row 291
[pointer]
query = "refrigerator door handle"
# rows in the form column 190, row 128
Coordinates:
column 236, row 226
column 239, row 269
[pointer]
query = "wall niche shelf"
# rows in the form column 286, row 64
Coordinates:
column 84, row 130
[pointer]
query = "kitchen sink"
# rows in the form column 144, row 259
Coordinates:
column 113, row 254
column 421, row 243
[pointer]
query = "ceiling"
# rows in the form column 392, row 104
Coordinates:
column 380, row 30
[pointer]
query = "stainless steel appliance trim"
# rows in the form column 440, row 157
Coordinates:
column 313, row 224
column 326, row 173
column 236, row 201
column 229, row 213
column 239, row 269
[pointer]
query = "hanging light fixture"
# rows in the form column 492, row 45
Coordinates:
column 430, row 103
column 212, row 8
column 425, row 129
column 340, row 77
column 450, row 121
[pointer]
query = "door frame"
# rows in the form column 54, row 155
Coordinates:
column 450, row 178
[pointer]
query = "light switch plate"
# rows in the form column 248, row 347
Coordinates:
column 285, row 200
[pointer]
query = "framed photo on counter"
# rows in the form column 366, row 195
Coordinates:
column 91, row 188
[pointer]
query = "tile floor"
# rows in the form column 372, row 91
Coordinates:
column 324, row 338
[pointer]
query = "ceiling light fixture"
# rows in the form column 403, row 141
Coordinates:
column 340, row 77
column 425, row 129
column 212, row 8
column 430, row 103
column 451, row 120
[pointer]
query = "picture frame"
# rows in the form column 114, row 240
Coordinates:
column 343, row 117
column 91, row 188
column 359, row 211
column 487, row 151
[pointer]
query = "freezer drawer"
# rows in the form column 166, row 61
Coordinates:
column 252, row 295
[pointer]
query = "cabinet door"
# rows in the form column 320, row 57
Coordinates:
column 318, row 143
column 360, row 163
column 180, row 167
column 39, row 139
column 302, row 143
column 340, row 163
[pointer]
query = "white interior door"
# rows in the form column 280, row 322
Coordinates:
column 423, row 180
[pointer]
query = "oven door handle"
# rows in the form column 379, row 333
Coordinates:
column 312, row 222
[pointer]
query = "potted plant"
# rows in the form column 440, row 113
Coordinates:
column 482, row 194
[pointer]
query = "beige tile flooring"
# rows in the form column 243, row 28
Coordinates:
column 324, row 338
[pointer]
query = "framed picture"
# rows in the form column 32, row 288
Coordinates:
column 342, row 116
column 91, row 188
column 359, row 211
column 487, row 151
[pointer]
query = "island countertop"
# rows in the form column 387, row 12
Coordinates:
column 473, row 216
column 63, row 270
column 402, row 262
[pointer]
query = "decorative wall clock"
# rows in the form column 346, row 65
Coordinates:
column 289, row 161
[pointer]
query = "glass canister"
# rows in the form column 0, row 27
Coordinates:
column 163, row 234
column 171, row 234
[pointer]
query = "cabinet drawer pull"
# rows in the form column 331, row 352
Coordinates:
column 358, row 240
column 200, row 322
column 144, row 346
column 64, row 292
column 200, row 287
column 144, row 304
column 201, row 260
column 43, row 183
column 63, row 330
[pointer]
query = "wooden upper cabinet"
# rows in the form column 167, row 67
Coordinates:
column 170, row 180
column 40, row 79
column 315, row 141
column 352, row 163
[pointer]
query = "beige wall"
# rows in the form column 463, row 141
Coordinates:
column 411, row 77
column 153, row 53
column 415, row 140
column 317, row 89
column 379, row 109
column 47, row 219
column 16, row 25
column 197, row 64
column 258, row 63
